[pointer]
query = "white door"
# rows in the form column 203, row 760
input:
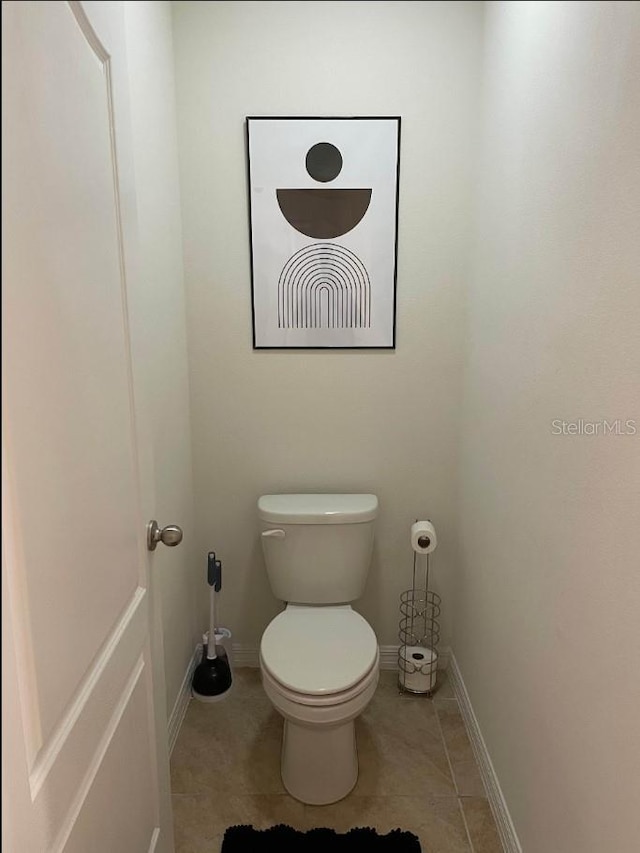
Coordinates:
column 85, row 761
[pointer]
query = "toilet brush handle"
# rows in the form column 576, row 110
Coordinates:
column 214, row 571
column 214, row 579
column 211, row 642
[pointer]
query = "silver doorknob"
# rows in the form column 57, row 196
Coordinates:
column 170, row 535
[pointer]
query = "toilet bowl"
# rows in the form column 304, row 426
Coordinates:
column 320, row 669
column 319, row 658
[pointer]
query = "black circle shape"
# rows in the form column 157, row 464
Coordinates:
column 417, row 656
column 324, row 162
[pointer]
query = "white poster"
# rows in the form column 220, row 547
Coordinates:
column 323, row 196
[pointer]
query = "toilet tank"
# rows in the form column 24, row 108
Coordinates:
column 317, row 548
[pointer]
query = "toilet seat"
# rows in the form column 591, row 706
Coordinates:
column 319, row 655
column 327, row 701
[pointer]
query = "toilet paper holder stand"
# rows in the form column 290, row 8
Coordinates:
column 419, row 631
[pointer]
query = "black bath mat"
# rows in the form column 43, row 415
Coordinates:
column 284, row 839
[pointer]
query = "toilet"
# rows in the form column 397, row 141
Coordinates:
column 319, row 659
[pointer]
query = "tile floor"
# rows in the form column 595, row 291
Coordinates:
column 417, row 772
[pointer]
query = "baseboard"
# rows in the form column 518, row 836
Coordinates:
column 182, row 700
column 154, row 840
column 246, row 655
column 388, row 657
column 498, row 804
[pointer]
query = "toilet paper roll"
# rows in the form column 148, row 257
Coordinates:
column 418, row 669
column 423, row 537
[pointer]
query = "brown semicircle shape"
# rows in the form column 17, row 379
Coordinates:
column 323, row 213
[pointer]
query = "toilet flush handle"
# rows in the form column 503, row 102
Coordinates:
column 275, row 534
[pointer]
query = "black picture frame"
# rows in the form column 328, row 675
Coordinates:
column 348, row 264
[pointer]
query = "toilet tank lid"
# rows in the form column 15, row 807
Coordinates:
column 317, row 509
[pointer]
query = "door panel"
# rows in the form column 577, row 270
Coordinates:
column 123, row 780
column 76, row 563
column 69, row 426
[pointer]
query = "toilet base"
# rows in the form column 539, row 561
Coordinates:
column 319, row 765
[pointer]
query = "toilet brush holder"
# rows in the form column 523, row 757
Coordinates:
column 212, row 678
column 223, row 640
column 419, row 633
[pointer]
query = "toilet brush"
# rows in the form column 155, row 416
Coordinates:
column 212, row 676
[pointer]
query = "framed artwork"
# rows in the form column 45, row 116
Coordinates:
column 323, row 207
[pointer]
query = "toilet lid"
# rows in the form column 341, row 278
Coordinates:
column 318, row 650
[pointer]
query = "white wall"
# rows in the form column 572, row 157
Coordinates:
column 283, row 421
column 159, row 326
column 547, row 612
